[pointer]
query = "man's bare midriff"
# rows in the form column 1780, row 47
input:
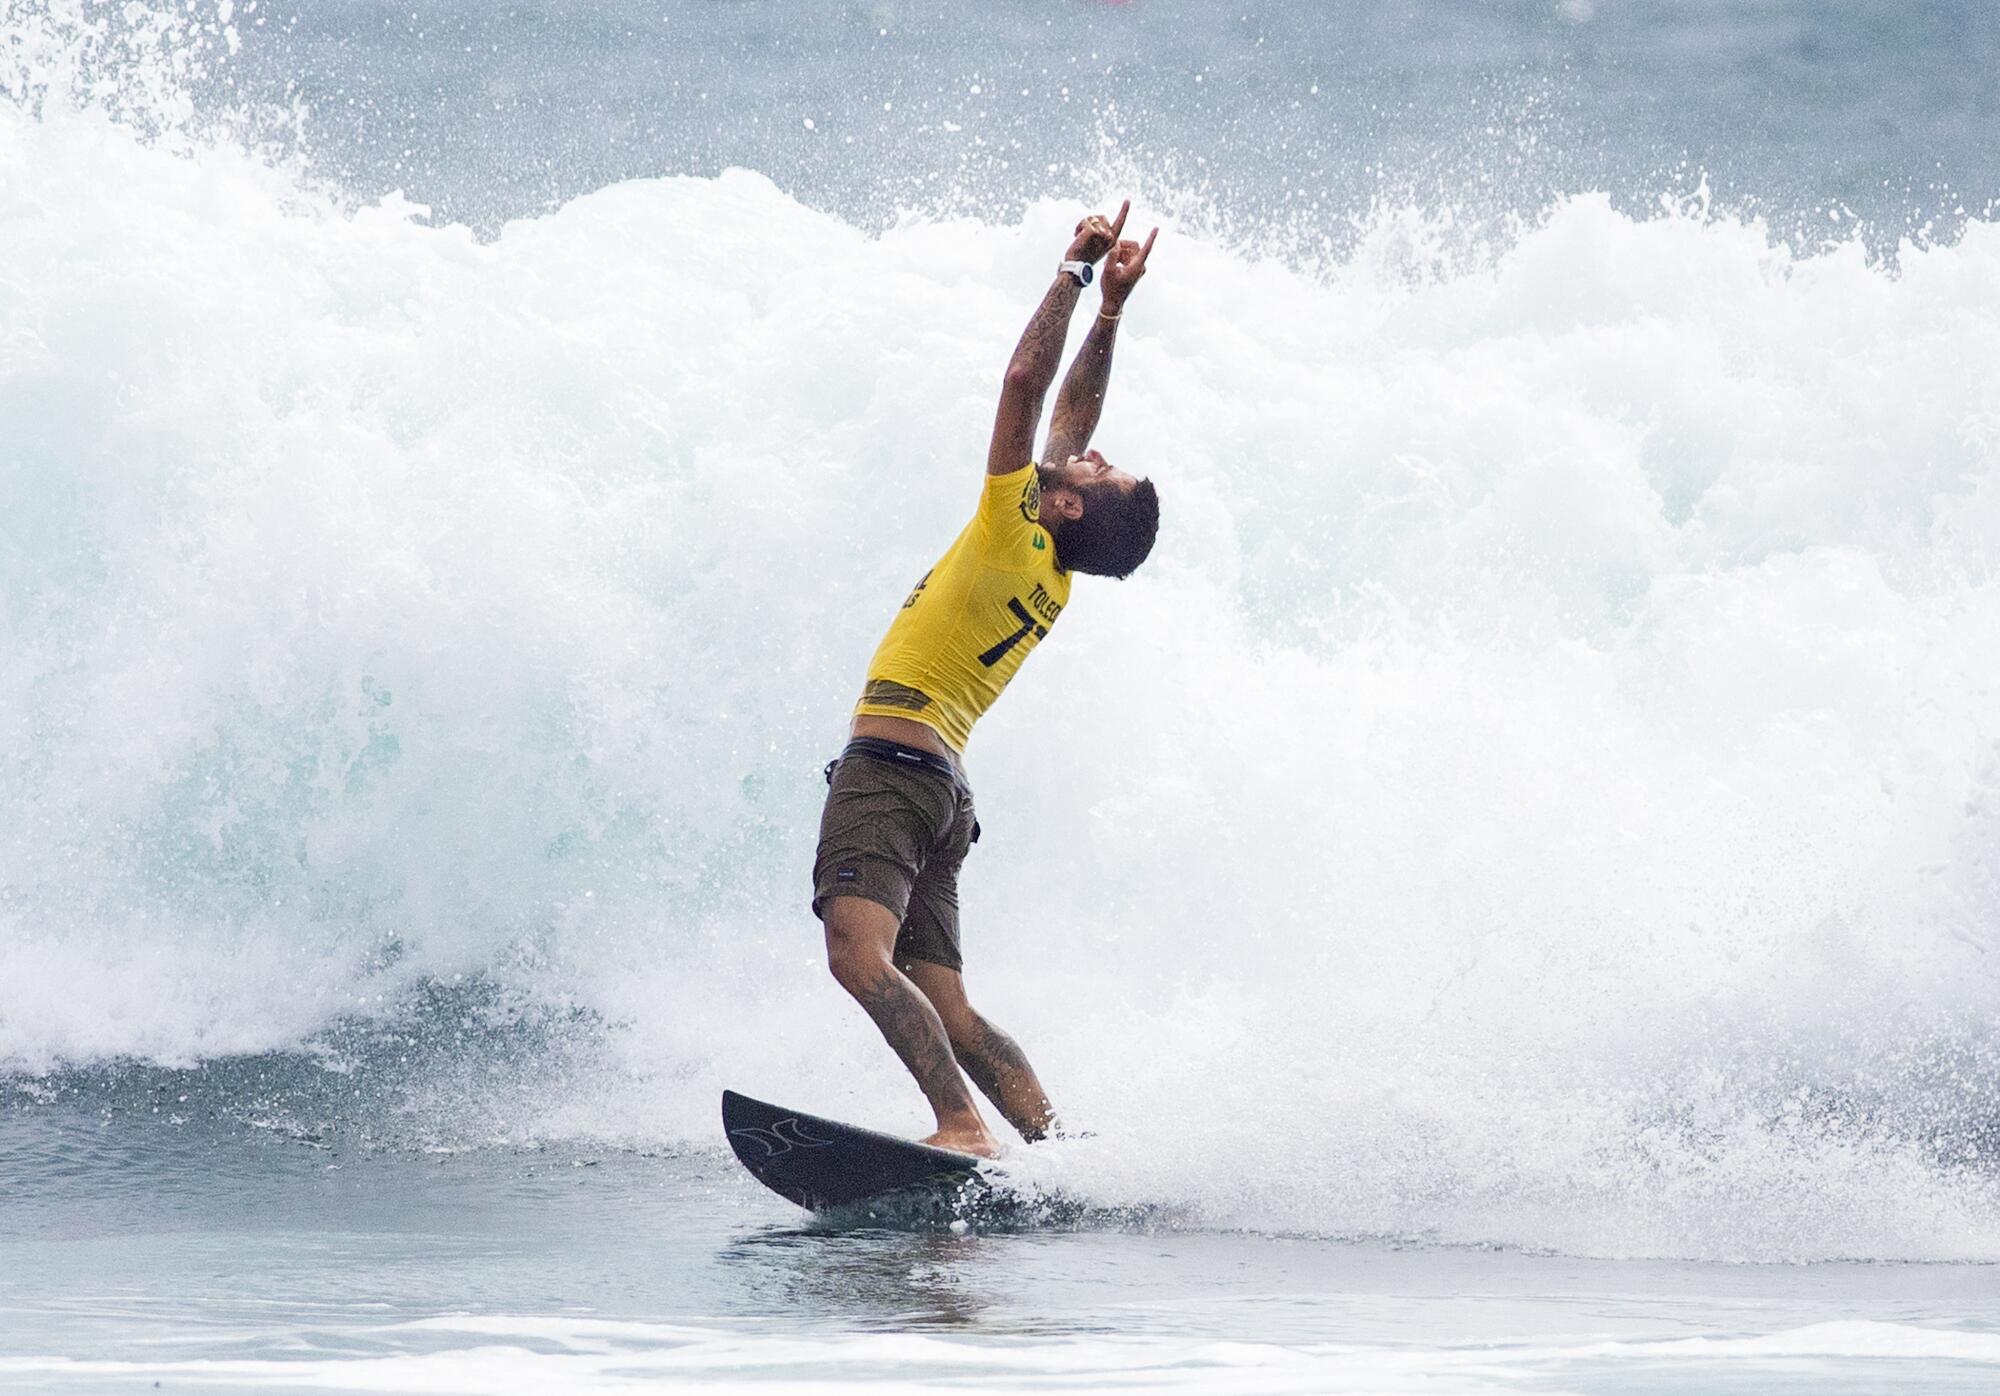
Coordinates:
column 906, row 732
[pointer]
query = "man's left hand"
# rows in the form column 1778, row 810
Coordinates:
column 1127, row 265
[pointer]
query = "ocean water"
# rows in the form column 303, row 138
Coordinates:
column 1512, row 888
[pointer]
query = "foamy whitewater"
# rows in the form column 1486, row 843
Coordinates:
column 1544, row 793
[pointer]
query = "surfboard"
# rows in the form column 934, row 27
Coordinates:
column 824, row 1165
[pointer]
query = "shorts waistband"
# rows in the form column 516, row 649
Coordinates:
column 896, row 754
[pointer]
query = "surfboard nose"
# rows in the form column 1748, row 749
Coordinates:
column 820, row 1163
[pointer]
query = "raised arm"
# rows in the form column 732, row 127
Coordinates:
column 1081, row 400
column 1039, row 354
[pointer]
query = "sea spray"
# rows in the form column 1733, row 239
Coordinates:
column 1543, row 791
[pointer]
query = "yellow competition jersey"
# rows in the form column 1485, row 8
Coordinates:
column 973, row 618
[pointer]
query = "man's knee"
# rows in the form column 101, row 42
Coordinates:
column 945, row 988
column 858, row 941
column 856, row 961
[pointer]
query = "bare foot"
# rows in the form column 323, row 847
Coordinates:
column 978, row 1142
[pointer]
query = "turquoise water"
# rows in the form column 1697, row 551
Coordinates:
column 1511, row 891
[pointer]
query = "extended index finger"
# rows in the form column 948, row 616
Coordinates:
column 1118, row 223
column 1147, row 249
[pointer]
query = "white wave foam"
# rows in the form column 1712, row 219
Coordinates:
column 1543, row 791
column 532, row 1353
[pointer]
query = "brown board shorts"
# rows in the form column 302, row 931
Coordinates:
column 896, row 827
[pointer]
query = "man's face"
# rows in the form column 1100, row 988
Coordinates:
column 1090, row 468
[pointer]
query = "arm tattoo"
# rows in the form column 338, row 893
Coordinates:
column 1029, row 373
column 1040, row 351
column 1081, row 401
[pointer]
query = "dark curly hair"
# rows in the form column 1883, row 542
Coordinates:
column 1114, row 533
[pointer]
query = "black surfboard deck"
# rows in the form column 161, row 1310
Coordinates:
column 824, row 1165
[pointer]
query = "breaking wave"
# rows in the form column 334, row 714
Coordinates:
column 1545, row 791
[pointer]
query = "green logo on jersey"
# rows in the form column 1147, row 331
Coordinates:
column 1040, row 543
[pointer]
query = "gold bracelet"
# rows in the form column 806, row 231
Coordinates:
column 1102, row 316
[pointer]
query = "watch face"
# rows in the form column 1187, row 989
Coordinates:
column 1083, row 274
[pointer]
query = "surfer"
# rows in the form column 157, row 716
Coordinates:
column 899, row 816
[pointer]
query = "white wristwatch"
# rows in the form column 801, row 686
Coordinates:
column 1082, row 271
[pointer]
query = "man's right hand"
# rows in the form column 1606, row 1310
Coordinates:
column 1096, row 235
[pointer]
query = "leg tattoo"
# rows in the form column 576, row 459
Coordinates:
column 914, row 1029
column 998, row 1067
